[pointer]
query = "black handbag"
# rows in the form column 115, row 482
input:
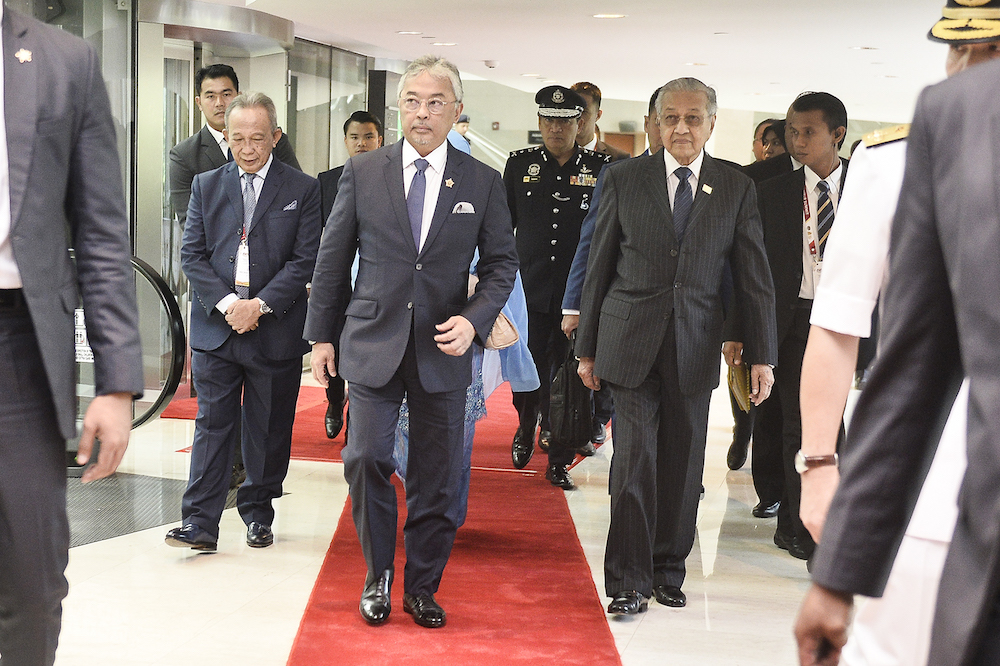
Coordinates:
column 569, row 404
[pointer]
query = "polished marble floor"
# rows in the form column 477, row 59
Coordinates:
column 133, row 601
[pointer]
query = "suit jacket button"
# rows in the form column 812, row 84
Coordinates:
column 552, row 258
column 409, row 306
column 553, row 241
column 673, row 253
column 232, row 259
column 420, row 267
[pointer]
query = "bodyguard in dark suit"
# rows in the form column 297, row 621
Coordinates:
column 249, row 249
column 62, row 188
column 651, row 327
column 215, row 87
column 938, row 324
column 415, row 212
column 362, row 133
column 798, row 211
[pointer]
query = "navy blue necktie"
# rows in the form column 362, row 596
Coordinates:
column 824, row 214
column 682, row 202
column 415, row 200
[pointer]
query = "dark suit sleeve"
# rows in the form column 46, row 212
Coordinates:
column 753, row 289
column 286, row 285
column 497, row 262
column 181, row 174
column 209, row 287
column 96, row 210
column 899, row 418
column 578, row 269
column 601, row 266
column 331, row 282
column 285, row 153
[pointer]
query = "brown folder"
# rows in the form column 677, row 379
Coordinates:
column 739, row 385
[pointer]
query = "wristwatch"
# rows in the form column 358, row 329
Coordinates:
column 264, row 307
column 804, row 463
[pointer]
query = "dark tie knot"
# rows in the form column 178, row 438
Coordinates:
column 823, row 185
column 421, row 164
column 682, row 173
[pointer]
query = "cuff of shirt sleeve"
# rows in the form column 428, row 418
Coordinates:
column 842, row 313
column 226, row 301
column 567, row 311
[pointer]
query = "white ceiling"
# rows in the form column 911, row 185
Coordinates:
column 758, row 54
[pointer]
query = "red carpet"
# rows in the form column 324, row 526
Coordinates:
column 517, row 590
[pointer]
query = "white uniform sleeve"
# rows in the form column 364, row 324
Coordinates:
column 856, row 258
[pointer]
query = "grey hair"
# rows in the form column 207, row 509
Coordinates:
column 246, row 100
column 688, row 84
column 437, row 67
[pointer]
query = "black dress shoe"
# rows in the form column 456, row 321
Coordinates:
column 600, row 434
column 587, row 450
column 191, row 536
column 628, row 602
column 670, row 595
column 737, row 456
column 259, row 535
column 425, row 611
column 544, row 439
column 522, row 448
column 334, row 420
column 783, row 541
column 801, row 549
column 763, row 510
column 558, row 476
column 375, row 604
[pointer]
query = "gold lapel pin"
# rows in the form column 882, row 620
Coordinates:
column 449, row 183
column 23, row 56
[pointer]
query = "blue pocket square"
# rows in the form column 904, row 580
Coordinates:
column 292, row 206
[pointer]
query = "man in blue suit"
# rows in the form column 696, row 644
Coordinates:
column 415, row 212
column 249, row 248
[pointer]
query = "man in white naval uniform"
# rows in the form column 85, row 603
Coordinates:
column 894, row 629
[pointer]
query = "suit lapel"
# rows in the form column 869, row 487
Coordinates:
column 275, row 178
column 707, row 182
column 212, row 149
column 20, row 105
column 655, row 175
column 392, row 172
column 234, row 192
column 446, row 196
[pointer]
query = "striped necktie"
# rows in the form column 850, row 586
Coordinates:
column 249, row 205
column 824, row 214
column 682, row 202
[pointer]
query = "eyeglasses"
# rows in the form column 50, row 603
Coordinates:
column 434, row 106
column 690, row 121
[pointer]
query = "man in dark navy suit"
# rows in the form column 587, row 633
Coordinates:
column 249, row 248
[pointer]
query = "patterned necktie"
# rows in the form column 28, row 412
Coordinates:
column 824, row 215
column 415, row 200
column 682, row 202
column 249, row 204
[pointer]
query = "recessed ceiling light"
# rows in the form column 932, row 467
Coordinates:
column 444, row 44
column 696, row 64
column 609, row 16
column 531, row 76
column 720, row 33
column 408, row 32
column 864, row 48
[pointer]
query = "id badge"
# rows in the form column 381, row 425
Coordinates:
column 817, row 271
column 243, row 266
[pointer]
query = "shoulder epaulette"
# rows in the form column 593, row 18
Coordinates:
column 881, row 137
column 525, row 151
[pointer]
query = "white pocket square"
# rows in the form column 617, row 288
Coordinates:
column 463, row 207
column 292, row 206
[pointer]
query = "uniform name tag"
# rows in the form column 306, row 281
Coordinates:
column 243, row 265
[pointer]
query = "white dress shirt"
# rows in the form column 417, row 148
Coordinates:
column 673, row 181
column 810, row 273
column 10, row 277
column 433, row 176
column 220, row 139
column 592, row 144
column 258, row 185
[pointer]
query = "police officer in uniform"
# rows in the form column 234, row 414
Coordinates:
column 549, row 191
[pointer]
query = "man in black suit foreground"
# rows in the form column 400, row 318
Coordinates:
column 797, row 211
column 362, row 132
column 651, row 327
column 249, row 248
column 939, row 322
column 62, row 188
column 415, row 212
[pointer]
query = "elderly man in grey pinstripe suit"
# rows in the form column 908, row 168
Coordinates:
column 651, row 327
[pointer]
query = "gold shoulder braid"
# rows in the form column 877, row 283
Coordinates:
column 880, row 137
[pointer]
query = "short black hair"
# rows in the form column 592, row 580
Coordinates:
column 778, row 127
column 834, row 111
column 216, row 71
column 363, row 117
column 766, row 121
column 652, row 103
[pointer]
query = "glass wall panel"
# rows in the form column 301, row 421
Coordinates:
column 349, row 83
